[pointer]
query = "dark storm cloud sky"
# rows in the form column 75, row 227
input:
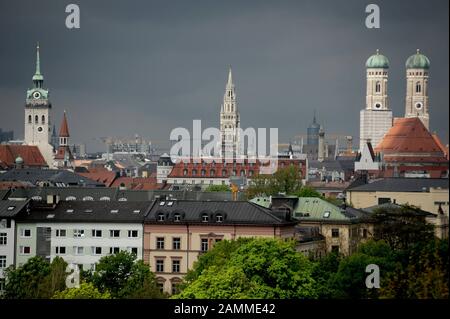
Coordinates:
column 146, row 67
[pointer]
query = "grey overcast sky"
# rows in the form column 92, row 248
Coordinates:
column 146, row 67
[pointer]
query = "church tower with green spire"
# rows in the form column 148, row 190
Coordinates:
column 37, row 115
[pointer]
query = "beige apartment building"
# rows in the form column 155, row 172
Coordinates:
column 176, row 233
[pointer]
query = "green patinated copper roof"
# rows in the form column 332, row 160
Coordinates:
column 318, row 209
column 418, row 61
column 261, row 201
column 377, row 61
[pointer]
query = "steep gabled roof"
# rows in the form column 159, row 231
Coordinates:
column 64, row 129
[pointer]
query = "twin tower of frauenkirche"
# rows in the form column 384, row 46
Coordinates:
column 376, row 119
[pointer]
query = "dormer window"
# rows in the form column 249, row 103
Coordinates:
column 176, row 217
column 69, row 198
column 105, row 198
column 219, row 218
column 160, row 217
column 326, row 214
column 205, row 218
column 88, row 198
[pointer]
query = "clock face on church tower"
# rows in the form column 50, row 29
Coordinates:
column 36, row 95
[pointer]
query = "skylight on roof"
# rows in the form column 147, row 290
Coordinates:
column 169, row 203
column 162, row 203
column 50, row 216
column 10, row 208
column 114, row 211
column 88, row 210
column 69, row 211
column 136, row 211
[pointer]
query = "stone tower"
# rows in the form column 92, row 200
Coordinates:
column 376, row 118
column 417, row 66
column 37, row 115
column 229, row 120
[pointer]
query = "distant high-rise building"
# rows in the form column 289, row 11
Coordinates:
column 376, row 118
column 6, row 136
column 313, row 132
column 229, row 120
column 417, row 66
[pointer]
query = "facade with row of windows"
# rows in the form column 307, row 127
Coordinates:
column 169, row 235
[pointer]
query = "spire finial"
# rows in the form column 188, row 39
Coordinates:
column 418, row 51
column 314, row 118
column 378, row 51
column 230, row 77
column 38, row 62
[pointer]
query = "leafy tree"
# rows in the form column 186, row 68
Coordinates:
column 424, row 274
column 285, row 180
column 256, row 268
column 401, row 227
column 85, row 291
column 307, row 191
column 124, row 277
column 216, row 282
column 322, row 273
column 218, row 188
column 35, row 279
column 350, row 278
column 56, row 280
column 216, row 257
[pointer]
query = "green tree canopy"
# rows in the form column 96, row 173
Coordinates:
column 124, row 277
column 35, row 279
column 402, row 227
column 85, row 291
column 253, row 268
column 285, row 180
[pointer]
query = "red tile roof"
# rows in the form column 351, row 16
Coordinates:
column 142, row 183
column 220, row 169
column 409, row 141
column 31, row 155
column 408, row 135
column 100, row 175
column 439, row 143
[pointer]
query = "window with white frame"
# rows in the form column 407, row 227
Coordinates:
column 2, row 262
column 78, row 233
column 159, row 265
column 60, row 250
column 176, row 265
column 3, row 239
column 160, row 243
column 204, row 244
column 176, row 243
column 96, row 250
column 132, row 233
column 96, row 233
column 114, row 250
column 25, row 232
column 25, row 250
column 60, row 233
column 114, row 233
